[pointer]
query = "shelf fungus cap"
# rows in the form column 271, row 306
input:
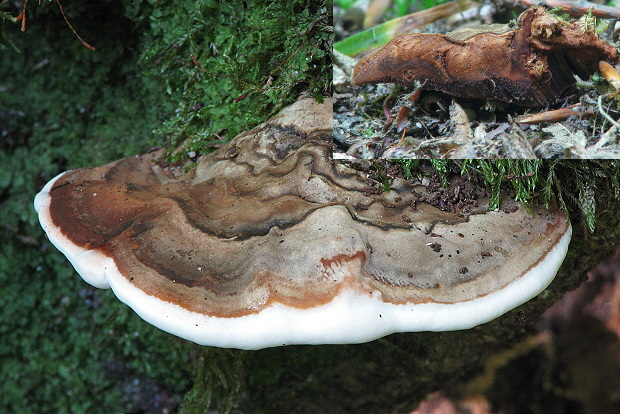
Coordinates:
column 267, row 242
column 532, row 64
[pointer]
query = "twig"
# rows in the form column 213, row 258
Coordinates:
column 605, row 114
column 610, row 73
column 604, row 140
column 557, row 115
column 573, row 8
column 71, row 27
column 22, row 17
column 382, row 33
column 423, row 18
column 607, row 136
column 286, row 60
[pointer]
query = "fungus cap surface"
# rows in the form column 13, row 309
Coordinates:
column 531, row 65
column 268, row 242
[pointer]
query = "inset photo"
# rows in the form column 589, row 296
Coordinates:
column 467, row 79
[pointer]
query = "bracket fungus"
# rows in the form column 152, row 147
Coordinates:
column 530, row 65
column 268, row 242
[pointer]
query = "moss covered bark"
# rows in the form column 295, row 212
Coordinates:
column 67, row 347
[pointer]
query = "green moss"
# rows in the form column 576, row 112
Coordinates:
column 250, row 60
column 64, row 106
column 571, row 185
column 218, row 381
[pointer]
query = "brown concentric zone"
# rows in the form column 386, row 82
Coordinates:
column 269, row 218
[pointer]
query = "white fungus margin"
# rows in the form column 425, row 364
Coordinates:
column 351, row 317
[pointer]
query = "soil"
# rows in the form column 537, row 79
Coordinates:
column 460, row 195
